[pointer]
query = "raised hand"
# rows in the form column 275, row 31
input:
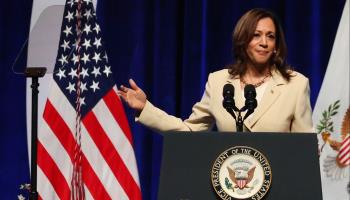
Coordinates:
column 134, row 96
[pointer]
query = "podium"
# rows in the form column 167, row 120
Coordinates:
column 188, row 158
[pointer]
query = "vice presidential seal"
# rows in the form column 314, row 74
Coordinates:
column 241, row 172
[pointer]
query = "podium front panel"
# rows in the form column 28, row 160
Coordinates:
column 187, row 161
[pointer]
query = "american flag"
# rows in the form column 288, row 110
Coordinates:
column 85, row 147
column 343, row 157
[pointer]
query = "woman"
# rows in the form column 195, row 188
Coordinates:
column 260, row 51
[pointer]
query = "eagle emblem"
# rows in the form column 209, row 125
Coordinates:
column 238, row 173
column 240, row 178
column 335, row 166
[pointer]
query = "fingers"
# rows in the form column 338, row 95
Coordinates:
column 122, row 92
column 133, row 84
column 123, row 96
column 123, row 89
column 133, row 96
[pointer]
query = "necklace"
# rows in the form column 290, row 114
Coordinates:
column 258, row 83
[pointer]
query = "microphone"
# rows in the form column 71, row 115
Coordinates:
column 228, row 93
column 250, row 99
column 229, row 103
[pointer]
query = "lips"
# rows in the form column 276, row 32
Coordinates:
column 262, row 53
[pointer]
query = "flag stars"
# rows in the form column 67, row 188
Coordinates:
column 21, row 197
column 61, row 73
column 87, row 14
column 63, row 60
column 94, row 86
column 73, row 73
column 97, row 29
column 69, row 16
column 97, row 57
column 84, row 73
column 105, row 57
column 97, row 42
column 86, row 44
column 65, row 45
column 71, row 2
column 85, row 58
column 87, row 29
column 71, row 87
column 96, row 71
column 82, row 101
column 107, row 70
column 75, row 58
column 68, row 30
column 83, row 87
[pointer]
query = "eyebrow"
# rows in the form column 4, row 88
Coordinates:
column 269, row 32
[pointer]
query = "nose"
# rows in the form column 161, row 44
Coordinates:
column 263, row 42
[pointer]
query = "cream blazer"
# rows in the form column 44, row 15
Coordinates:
column 284, row 107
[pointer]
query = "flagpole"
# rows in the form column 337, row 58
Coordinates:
column 34, row 73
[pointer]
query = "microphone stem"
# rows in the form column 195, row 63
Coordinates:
column 239, row 122
column 229, row 110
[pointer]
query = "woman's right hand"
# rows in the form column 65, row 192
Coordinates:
column 134, row 96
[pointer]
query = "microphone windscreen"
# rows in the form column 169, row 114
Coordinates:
column 249, row 92
column 228, row 90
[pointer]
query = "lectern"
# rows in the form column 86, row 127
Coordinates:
column 190, row 159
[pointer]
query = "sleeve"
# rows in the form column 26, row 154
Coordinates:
column 302, row 121
column 201, row 118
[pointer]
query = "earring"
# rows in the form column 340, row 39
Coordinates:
column 274, row 51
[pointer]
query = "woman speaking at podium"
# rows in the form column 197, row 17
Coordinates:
column 282, row 95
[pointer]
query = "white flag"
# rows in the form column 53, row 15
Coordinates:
column 331, row 117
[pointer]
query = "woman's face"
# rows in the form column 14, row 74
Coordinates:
column 262, row 46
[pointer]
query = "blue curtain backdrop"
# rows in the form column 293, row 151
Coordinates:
column 168, row 48
column 14, row 167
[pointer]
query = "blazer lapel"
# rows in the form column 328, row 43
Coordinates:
column 270, row 95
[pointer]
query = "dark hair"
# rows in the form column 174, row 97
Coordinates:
column 244, row 33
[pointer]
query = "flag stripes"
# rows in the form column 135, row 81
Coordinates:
column 106, row 151
column 344, row 152
column 109, row 123
column 53, row 173
column 102, row 170
column 116, row 108
column 66, row 138
column 92, row 182
column 87, row 194
column 59, row 126
column 46, row 191
column 84, row 79
column 110, row 154
column 52, row 144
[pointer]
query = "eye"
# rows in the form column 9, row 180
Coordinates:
column 256, row 35
column 271, row 36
